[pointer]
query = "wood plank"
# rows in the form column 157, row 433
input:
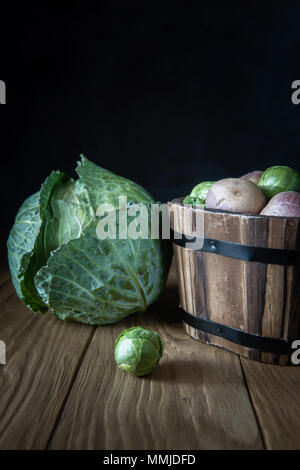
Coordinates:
column 41, row 359
column 195, row 399
column 275, row 393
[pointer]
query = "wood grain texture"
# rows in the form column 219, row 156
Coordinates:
column 195, row 399
column 41, row 359
column 60, row 388
column 255, row 297
column 275, row 393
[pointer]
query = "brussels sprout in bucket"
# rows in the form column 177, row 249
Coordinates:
column 138, row 350
column 198, row 194
column 278, row 179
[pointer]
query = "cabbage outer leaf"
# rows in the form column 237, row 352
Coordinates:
column 101, row 281
column 97, row 186
column 25, row 243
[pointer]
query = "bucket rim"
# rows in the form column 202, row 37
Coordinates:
column 178, row 202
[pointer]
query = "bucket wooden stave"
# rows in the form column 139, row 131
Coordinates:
column 257, row 298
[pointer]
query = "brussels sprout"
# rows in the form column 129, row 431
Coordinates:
column 138, row 350
column 278, row 179
column 198, row 194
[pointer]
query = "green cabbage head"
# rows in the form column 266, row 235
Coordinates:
column 58, row 263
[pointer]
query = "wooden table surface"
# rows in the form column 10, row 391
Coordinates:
column 60, row 388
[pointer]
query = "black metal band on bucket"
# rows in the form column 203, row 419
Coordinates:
column 243, row 338
column 237, row 250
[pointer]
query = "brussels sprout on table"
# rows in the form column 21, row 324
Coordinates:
column 138, row 350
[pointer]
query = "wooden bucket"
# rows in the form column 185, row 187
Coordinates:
column 246, row 299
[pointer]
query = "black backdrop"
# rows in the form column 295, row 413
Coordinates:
column 167, row 94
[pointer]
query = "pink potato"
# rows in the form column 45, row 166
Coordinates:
column 235, row 195
column 253, row 176
column 285, row 204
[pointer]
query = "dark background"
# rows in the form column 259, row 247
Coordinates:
column 167, row 94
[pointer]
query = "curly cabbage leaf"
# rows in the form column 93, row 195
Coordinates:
column 97, row 186
column 26, row 253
